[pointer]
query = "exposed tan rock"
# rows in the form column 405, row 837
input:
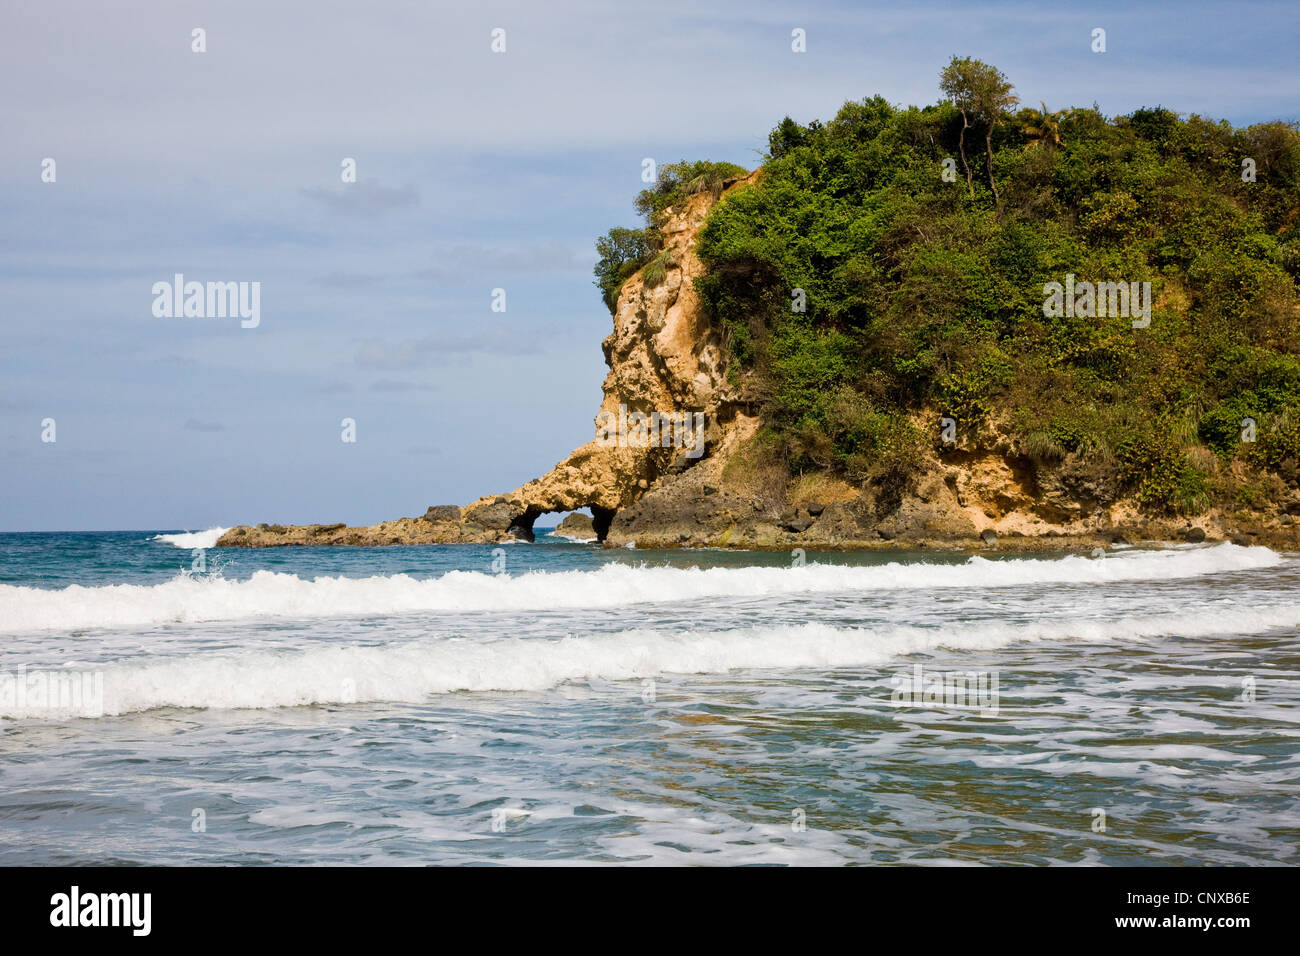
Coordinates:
column 663, row 356
column 400, row 531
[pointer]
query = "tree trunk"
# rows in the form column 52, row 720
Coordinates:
column 988, row 149
column 961, row 145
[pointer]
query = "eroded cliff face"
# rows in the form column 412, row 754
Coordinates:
column 665, row 357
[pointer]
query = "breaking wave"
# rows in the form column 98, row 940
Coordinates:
column 268, row 594
column 192, row 539
column 415, row 671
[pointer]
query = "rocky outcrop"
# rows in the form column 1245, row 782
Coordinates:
column 663, row 357
column 439, row 525
column 577, row 527
column 721, row 489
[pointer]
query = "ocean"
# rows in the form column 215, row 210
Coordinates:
column 163, row 701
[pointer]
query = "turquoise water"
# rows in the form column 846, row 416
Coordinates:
column 561, row 703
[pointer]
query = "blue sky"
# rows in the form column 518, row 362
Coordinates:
column 477, row 171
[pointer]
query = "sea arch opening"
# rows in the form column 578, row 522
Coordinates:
column 522, row 526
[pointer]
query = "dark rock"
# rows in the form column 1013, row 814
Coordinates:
column 710, row 489
column 815, row 508
column 1077, row 485
column 577, row 525
column 442, row 513
column 494, row 517
column 905, row 524
column 1194, row 535
column 842, row 522
column 796, row 519
column 989, row 537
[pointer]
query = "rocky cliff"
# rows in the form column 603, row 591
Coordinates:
column 665, row 357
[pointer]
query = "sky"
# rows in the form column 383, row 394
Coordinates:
column 476, row 171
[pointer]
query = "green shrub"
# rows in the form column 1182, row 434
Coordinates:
column 1277, row 440
column 657, row 269
column 622, row 252
column 676, row 181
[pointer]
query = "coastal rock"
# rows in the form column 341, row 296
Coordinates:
column 799, row 524
column 495, row 515
column 724, row 489
column 663, row 356
column 577, row 525
column 1075, row 487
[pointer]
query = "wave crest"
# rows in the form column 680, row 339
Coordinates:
column 268, row 594
column 413, row 672
column 192, row 539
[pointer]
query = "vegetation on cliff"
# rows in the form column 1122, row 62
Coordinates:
column 922, row 294
column 623, row 252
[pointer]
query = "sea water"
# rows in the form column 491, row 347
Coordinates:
column 563, row 703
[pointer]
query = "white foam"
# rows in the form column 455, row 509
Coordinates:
column 577, row 538
column 267, row 594
column 415, row 671
column 192, row 539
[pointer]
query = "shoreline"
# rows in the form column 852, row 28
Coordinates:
column 1015, row 543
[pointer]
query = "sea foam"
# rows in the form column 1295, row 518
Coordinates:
column 192, row 539
column 413, row 672
column 267, row 594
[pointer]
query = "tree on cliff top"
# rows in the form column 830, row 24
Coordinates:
column 1042, row 127
column 979, row 91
